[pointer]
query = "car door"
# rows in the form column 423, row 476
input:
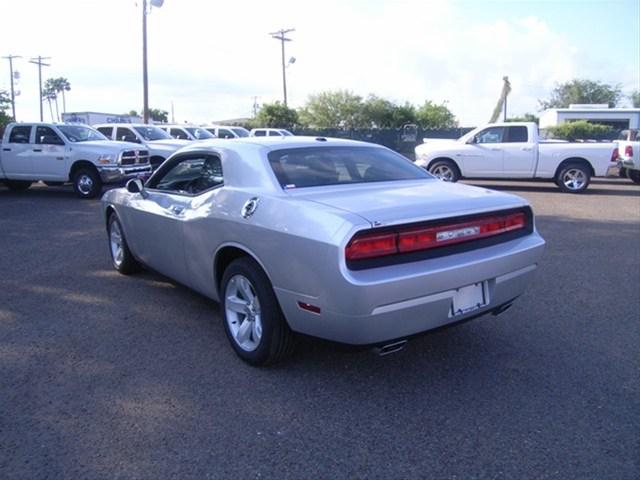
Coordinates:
column 17, row 153
column 179, row 133
column 158, row 215
column 519, row 153
column 106, row 131
column 483, row 155
column 125, row 134
column 49, row 152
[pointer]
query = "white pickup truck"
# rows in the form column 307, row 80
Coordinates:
column 60, row 153
column 513, row 150
column 629, row 154
column 158, row 142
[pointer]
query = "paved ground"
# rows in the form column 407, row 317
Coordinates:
column 104, row 376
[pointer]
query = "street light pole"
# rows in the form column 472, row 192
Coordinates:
column 13, row 95
column 145, row 77
column 280, row 35
column 40, row 63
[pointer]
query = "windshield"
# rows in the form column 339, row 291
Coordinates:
column 316, row 166
column 241, row 132
column 80, row 133
column 150, row 133
column 199, row 133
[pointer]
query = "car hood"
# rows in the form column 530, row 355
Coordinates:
column 173, row 143
column 110, row 145
column 391, row 203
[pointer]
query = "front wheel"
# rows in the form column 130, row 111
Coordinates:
column 634, row 175
column 445, row 170
column 121, row 257
column 17, row 185
column 87, row 183
column 573, row 178
column 253, row 320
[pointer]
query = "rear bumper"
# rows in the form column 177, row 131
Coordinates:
column 114, row 174
column 388, row 303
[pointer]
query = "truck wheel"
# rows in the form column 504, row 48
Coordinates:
column 253, row 320
column 634, row 175
column 573, row 178
column 87, row 183
column 623, row 173
column 123, row 260
column 445, row 170
column 17, row 185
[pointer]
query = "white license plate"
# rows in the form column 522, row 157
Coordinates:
column 468, row 299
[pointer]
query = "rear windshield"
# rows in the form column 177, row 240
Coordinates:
column 316, row 166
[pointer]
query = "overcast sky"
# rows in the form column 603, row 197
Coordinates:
column 212, row 57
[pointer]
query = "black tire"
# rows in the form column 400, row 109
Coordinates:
column 445, row 170
column 573, row 178
column 623, row 173
column 54, row 184
column 127, row 264
column 87, row 183
column 17, row 185
column 276, row 341
column 634, row 176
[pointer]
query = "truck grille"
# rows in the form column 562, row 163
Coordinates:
column 133, row 157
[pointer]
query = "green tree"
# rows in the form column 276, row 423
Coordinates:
column 62, row 85
column 332, row 109
column 580, row 130
column 635, row 98
column 158, row 115
column 378, row 112
column 582, row 91
column 276, row 115
column 5, row 104
column 527, row 117
column 50, row 93
column 132, row 113
column 431, row 115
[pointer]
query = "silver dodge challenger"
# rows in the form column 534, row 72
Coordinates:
column 337, row 239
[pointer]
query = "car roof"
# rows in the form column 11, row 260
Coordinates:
column 276, row 143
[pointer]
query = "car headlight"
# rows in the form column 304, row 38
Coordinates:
column 105, row 159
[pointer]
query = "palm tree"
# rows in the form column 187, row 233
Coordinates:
column 51, row 87
column 62, row 85
column 48, row 94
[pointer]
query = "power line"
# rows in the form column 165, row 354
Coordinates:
column 13, row 96
column 40, row 62
column 280, row 35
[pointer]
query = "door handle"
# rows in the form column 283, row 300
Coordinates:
column 6, row 149
column 37, row 149
column 526, row 149
column 496, row 149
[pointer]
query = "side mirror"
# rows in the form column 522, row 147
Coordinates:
column 135, row 185
column 472, row 140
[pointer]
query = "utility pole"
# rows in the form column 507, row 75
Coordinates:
column 145, row 77
column 280, row 35
column 255, row 106
column 13, row 96
column 40, row 62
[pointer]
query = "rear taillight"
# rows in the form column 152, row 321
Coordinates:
column 615, row 155
column 415, row 239
column 628, row 151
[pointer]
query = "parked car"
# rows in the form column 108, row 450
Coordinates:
column 336, row 239
column 225, row 131
column 60, row 153
column 270, row 132
column 158, row 142
column 187, row 132
column 629, row 155
column 513, row 150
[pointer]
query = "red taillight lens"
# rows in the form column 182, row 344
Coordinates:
column 369, row 246
column 628, row 151
column 615, row 155
column 407, row 240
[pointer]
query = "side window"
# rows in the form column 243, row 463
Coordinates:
column 46, row 136
column 179, row 133
column 260, row 133
column 224, row 133
column 193, row 174
column 106, row 131
column 490, row 135
column 20, row 134
column 273, row 133
column 518, row 135
column 126, row 135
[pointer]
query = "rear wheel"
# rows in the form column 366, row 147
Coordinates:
column 17, row 185
column 123, row 260
column 634, row 175
column 87, row 183
column 253, row 320
column 573, row 178
column 445, row 170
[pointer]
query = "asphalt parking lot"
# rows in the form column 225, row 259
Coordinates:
column 106, row 376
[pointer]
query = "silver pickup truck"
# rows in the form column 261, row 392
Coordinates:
column 61, row 153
